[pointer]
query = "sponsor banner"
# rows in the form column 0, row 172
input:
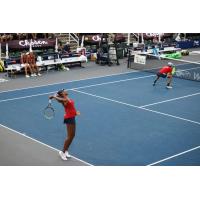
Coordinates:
column 156, row 35
column 25, row 44
column 140, row 59
column 92, row 38
column 153, row 34
column 188, row 44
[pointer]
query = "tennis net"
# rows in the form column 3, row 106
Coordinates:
column 185, row 69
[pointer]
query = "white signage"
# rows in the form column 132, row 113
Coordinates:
column 140, row 59
column 34, row 43
column 154, row 34
column 169, row 48
column 96, row 38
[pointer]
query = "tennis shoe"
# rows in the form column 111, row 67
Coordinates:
column 169, row 87
column 27, row 76
column 39, row 74
column 62, row 155
column 67, row 154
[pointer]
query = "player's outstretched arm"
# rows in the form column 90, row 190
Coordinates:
column 59, row 99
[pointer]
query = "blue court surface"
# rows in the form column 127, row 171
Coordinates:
column 124, row 119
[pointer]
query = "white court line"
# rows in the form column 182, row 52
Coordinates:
column 100, row 97
column 87, row 86
column 182, row 97
column 95, row 77
column 173, row 116
column 24, row 97
column 176, row 155
column 12, row 130
column 134, row 106
column 105, row 83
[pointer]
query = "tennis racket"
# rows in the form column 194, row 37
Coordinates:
column 49, row 112
column 173, row 70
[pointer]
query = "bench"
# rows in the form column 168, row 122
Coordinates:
column 45, row 62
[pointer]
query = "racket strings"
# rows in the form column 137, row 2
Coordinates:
column 49, row 113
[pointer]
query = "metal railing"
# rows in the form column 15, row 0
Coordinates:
column 74, row 37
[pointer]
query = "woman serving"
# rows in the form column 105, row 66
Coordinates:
column 69, row 120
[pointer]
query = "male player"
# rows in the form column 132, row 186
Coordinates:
column 166, row 71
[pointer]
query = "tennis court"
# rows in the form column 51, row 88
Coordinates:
column 124, row 119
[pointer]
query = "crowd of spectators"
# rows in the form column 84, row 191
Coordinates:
column 5, row 37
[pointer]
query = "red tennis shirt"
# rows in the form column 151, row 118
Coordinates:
column 166, row 70
column 70, row 110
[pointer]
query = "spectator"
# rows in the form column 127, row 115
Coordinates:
column 34, row 36
column 22, row 36
column 51, row 35
column 60, row 47
column 15, row 36
column 31, row 36
column 66, row 48
column 33, row 65
column 25, row 63
column 99, row 55
column 42, row 35
column 3, row 37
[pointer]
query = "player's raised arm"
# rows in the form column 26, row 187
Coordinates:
column 60, row 97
